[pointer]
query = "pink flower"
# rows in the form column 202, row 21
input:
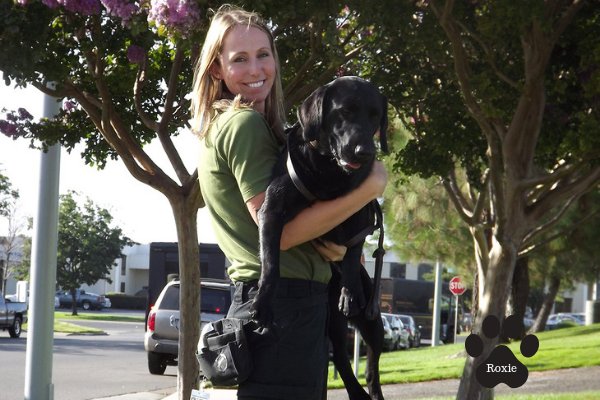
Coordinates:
column 181, row 16
column 136, row 54
column 124, row 9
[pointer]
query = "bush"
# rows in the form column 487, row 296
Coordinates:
column 126, row 301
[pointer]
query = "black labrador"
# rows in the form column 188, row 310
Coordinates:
column 330, row 152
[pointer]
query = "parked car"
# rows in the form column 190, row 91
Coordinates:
column 107, row 303
column 556, row 321
column 414, row 330
column 87, row 301
column 399, row 332
column 465, row 322
column 161, row 339
column 12, row 316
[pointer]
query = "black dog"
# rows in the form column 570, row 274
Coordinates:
column 329, row 153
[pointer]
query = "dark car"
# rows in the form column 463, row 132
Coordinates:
column 161, row 340
column 414, row 330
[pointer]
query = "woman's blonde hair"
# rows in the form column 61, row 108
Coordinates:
column 208, row 97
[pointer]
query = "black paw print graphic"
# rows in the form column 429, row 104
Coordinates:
column 501, row 366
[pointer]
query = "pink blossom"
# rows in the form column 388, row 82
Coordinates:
column 136, row 54
column 124, row 9
column 51, row 3
column 181, row 16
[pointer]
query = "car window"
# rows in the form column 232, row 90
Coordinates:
column 215, row 301
column 170, row 300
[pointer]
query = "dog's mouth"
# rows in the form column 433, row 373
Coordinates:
column 350, row 165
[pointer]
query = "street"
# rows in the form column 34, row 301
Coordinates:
column 87, row 366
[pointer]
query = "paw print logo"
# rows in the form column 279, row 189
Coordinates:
column 502, row 366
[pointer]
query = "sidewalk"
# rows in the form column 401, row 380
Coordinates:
column 571, row 380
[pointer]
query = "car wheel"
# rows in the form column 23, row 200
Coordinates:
column 156, row 363
column 15, row 330
column 86, row 305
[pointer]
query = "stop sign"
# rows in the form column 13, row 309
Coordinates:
column 456, row 286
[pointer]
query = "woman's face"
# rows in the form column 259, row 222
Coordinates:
column 247, row 65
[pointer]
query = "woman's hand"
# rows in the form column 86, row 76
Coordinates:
column 378, row 178
column 328, row 250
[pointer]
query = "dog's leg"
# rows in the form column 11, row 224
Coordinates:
column 352, row 298
column 270, row 221
column 338, row 333
column 372, row 333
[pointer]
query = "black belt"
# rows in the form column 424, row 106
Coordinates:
column 286, row 288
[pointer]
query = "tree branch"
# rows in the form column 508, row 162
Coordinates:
column 163, row 131
column 531, row 248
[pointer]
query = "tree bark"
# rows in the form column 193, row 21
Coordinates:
column 540, row 322
column 492, row 302
column 185, row 210
column 519, row 292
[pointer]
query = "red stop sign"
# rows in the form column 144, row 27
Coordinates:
column 456, row 286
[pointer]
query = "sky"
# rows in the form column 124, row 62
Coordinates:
column 143, row 213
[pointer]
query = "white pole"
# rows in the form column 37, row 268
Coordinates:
column 455, row 316
column 356, row 350
column 437, row 305
column 40, row 335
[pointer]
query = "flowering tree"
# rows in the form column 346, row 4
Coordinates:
column 124, row 68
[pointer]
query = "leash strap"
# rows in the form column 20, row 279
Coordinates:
column 372, row 310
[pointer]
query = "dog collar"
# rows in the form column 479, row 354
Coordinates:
column 296, row 180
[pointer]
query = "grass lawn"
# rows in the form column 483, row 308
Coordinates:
column 66, row 327
column 562, row 348
column 545, row 396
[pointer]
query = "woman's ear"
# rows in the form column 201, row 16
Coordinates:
column 215, row 70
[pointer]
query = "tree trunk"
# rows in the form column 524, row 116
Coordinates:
column 185, row 210
column 491, row 302
column 540, row 322
column 519, row 292
column 73, row 303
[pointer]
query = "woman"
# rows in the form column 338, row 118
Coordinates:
column 237, row 112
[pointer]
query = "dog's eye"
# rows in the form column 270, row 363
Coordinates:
column 346, row 110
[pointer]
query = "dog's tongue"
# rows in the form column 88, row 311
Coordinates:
column 354, row 166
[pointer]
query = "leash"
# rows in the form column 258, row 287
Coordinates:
column 373, row 310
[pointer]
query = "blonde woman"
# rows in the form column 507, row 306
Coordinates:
column 237, row 113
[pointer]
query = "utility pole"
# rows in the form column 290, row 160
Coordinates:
column 40, row 335
column 437, row 305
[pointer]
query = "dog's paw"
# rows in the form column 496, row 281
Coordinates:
column 349, row 304
column 501, row 366
column 261, row 310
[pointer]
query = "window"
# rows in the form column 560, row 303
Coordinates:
column 397, row 270
column 124, row 265
column 423, row 270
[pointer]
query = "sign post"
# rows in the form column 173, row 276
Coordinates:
column 457, row 288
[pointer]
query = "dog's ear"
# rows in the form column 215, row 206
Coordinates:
column 310, row 114
column 383, row 125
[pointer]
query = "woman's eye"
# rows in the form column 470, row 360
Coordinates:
column 239, row 59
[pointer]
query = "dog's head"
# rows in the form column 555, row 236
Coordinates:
column 341, row 118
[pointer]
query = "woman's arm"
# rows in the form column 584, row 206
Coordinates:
column 323, row 216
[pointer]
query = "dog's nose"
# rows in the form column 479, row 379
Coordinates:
column 363, row 152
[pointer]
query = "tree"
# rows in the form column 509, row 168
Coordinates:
column 125, row 68
column 508, row 92
column 11, row 245
column 87, row 245
column 7, row 195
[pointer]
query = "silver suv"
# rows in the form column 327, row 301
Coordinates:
column 162, row 334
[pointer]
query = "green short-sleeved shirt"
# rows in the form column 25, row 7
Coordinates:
column 236, row 161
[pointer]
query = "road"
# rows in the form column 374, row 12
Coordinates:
column 87, row 366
